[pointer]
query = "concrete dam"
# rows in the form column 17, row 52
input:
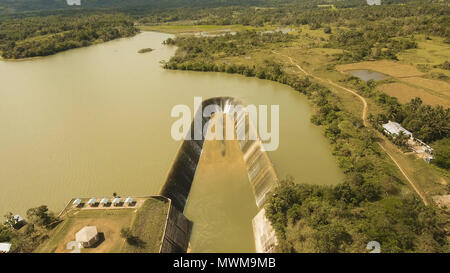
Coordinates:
column 260, row 171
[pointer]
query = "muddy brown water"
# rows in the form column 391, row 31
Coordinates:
column 92, row 121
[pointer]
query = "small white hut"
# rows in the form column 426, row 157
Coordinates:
column 87, row 236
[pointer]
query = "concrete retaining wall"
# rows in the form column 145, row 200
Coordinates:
column 265, row 237
column 260, row 170
column 177, row 232
column 261, row 174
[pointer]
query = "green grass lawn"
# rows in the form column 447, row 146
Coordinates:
column 147, row 223
column 149, row 226
column 108, row 222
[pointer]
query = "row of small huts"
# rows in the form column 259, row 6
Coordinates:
column 117, row 201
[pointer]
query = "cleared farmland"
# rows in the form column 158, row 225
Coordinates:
column 404, row 93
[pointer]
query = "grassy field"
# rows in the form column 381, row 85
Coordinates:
column 108, row 222
column 405, row 93
column 430, row 179
column 148, row 226
column 411, row 82
column 391, row 68
column 438, row 86
column 416, row 72
column 430, row 52
column 147, row 223
column 408, row 82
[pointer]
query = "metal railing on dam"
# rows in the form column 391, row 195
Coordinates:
column 261, row 173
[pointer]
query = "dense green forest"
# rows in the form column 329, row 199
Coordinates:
column 442, row 153
column 39, row 5
column 367, row 206
column 38, row 222
column 311, row 218
column 366, row 32
column 206, row 49
column 371, row 203
column 36, row 5
column 41, row 36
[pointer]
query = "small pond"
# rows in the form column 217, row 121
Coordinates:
column 366, row 75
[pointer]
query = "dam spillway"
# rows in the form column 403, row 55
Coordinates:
column 260, row 171
column 261, row 174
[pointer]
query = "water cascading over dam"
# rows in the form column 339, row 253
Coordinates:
column 260, row 170
column 261, row 173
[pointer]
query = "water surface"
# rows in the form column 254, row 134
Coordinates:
column 221, row 185
column 366, row 75
column 92, row 121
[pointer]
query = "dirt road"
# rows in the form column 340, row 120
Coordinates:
column 364, row 115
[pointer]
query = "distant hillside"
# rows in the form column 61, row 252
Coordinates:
column 14, row 6
column 17, row 6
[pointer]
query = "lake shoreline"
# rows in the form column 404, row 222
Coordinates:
column 85, row 123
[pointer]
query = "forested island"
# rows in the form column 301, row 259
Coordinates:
column 375, row 202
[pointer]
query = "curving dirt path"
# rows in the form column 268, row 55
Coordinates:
column 364, row 114
column 406, row 176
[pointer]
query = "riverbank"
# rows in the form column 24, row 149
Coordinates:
column 372, row 178
column 318, row 60
column 67, row 152
column 119, row 148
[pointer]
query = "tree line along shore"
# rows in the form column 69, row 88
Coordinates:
column 374, row 203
